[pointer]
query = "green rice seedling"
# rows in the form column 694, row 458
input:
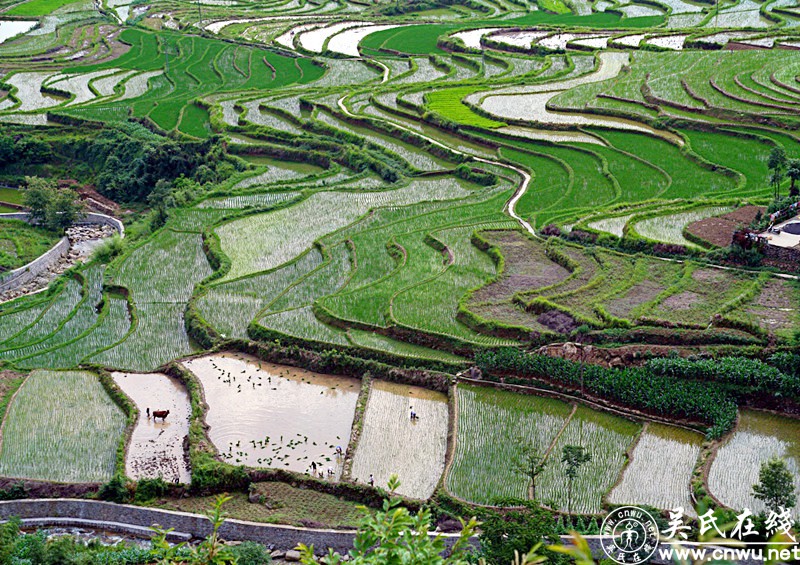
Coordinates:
column 448, row 103
column 493, row 426
column 37, row 7
column 112, row 327
column 248, row 200
column 758, row 437
column 391, row 443
column 688, row 180
column 20, row 314
column 84, row 316
column 415, row 156
column 432, row 305
column 301, row 323
column 159, row 336
column 264, row 241
column 144, row 272
column 378, row 342
column 231, row 306
column 62, row 427
column 660, row 469
column 669, row 228
column 56, row 314
column 607, row 439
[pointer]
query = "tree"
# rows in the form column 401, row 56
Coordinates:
column 395, row 535
column 37, row 197
column 530, row 463
column 7, row 151
column 775, row 486
column 50, row 206
column 161, row 199
column 573, row 457
column 63, row 209
column 776, row 163
column 793, row 172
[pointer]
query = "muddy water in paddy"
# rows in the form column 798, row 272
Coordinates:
column 156, row 447
column 391, row 443
column 266, row 415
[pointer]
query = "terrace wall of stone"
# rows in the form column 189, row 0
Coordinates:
column 785, row 254
column 132, row 519
column 26, row 273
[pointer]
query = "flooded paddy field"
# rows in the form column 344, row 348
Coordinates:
column 266, row 415
column 156, row 448
column 393, row 443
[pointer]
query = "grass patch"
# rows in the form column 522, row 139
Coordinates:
column 21, row 243
column 289, row 505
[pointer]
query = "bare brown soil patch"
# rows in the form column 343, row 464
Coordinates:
column 775, row 308
column 681, row 301
column 527, row 268
column 558, row 321
column 718, row 230
column 637, row 295
column 776, row 294
column 709, row 275
column 508, row 313
column 7, row 379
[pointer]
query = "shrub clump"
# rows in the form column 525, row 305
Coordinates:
column 635, row 387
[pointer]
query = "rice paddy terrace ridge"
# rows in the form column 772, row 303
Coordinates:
column 444, row 241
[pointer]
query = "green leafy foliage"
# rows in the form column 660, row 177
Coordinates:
column 634, row 387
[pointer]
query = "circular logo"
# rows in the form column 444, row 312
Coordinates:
column 629, row 535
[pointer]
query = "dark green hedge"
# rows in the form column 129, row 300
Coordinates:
column 750, row 374
column 633, row 387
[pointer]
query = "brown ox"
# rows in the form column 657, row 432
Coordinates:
column 160, row 414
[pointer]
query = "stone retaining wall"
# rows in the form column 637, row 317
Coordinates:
column 26, row 273
column 103, row 220
column 90, row 218
column 124, row 518
column 108, row 516
column 785, row 254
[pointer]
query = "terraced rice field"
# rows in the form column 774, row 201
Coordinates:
column 375, row 179
column 264, row 415
column 493, row 426
column 157, row 446
column 496, row 425
column 758, row 437
column 62, row 427
column 392, row 443
column 660, row 469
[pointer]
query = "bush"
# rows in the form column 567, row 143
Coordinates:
column 634, row 387
column 517, row 530
column 669, row 249
column 251, row 553
column 582, row 237
column 115, row 490
column 148, row 489
column 14, row 492
column 751, row 373
column 551, row 230
column 109, row 248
